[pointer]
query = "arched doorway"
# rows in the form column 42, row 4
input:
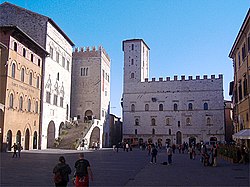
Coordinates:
column 178, row 138
column 95, row 138
column 35, row 140
column 9, row 140
column 51, row 134
column 18, row 137
column 192, row 141
column 27, row 140
column 89, row 114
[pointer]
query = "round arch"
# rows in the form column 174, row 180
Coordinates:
column 95, row 137
column 27, row 139
column 50, row 134
column 89, row 114
column 9, row 140
column 18, row 137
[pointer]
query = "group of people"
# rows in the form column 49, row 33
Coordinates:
column 152, row 150
column 81, row 176
column 205, row 159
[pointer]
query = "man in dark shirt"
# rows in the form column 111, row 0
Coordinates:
column 83, row 172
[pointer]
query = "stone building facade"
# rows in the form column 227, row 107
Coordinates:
column 164, row 110
column 56, row 82
column 240, row 54
column 20, row 93
column 91, row 91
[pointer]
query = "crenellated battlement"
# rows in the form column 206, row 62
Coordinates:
column 183, row 78
column 90, row 51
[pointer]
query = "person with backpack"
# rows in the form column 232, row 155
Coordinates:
column 61, row 173
column 83, row 172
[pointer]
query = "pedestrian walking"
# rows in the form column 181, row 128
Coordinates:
column 153, row 154
column 61, row 173
column 190, row 151
column 127, row 147
column 149, row 149
column 19, row 148
column 83, row 172
column 14, row 146
column 214, row 152
column 243, row 152
column 117, row 147
column 170, row 154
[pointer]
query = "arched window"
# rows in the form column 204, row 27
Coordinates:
column 31, row 57
column 30, row 79
column 179, row 123
column 132, row 108
column 57, row 77
column 188, row 121
column 132, row 61
column 175, row 107
column 15, row 46
column 190, row 106
column 24, row 52
column 135, row 131
column 22, row 74
column 167, row 121
column 153, row 121
column 132, row 75
column 208, row 121
column 13, row 72
column 137, row 122
column 146, row 107
column 169, row 131
column 29, row 105
column 37, row 81
column 160, row 107
column 153, row 131
column 63, row 61
column 205, row 106
column 36, row 107
column 87, row 69
column 21, row 103
column 11, row 101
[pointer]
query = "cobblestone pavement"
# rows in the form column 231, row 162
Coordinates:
column 132, row 168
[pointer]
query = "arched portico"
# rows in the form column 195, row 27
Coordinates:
column 9, row 140
column 89, row 114
column 95, row 137
column 27, row 139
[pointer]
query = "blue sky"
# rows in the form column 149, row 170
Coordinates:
column 186, row 37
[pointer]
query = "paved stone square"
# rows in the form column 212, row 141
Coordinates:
column 132, row 168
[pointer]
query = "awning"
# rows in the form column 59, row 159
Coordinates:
column 243, row 134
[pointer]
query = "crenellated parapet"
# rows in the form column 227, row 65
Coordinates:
column 90, row 52
column 184, row 78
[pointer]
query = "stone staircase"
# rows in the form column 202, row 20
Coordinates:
column 71, row 136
